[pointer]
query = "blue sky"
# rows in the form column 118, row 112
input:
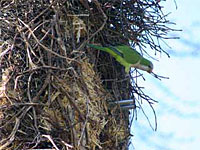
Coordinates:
column 178, row 110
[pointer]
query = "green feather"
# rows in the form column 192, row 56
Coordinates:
column 127, row 57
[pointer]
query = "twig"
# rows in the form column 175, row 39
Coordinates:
column 69, row 98
column 101, row 28
column 51, row 140
column 68, row 146
column 159, row 76
column 11, row 137
column 43, row 46
column 6, row 51
column 30, row 100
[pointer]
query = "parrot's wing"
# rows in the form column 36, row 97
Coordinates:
column 130, row 55
column 114, row 49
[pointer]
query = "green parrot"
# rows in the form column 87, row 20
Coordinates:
column 127, row 57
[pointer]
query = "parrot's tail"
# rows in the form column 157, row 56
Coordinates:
column 97, row 47
column 111, row 50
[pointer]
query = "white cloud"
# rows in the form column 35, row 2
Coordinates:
column 178, row 110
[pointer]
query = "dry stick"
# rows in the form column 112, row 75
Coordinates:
column 30, row 100
column 38, row 15
column 6, row 51
column 67, row 145
column 32, row 65
column 39, row 25
column 46, row 83
column 11, row 137
column 44, row 47
column 26, row 104
column 148, row 99
column 25, row 109
column 69, row 98
column 72, row 124
column 84, row 130
column 59, row 38
column 49, row 56
column 101, row 28
column 13, row 117
column 159, row 76
column 85, row 123
column 36, row 45
column 42, row 67
column 51, row 140
column 140, row 106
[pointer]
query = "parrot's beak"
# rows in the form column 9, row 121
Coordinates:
column 148, row 69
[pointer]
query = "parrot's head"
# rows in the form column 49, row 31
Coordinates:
column 146, row 65
column 150, row 67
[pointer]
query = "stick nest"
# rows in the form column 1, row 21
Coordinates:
column 54, row 91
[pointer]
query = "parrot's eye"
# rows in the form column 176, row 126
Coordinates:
column 151, row 66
